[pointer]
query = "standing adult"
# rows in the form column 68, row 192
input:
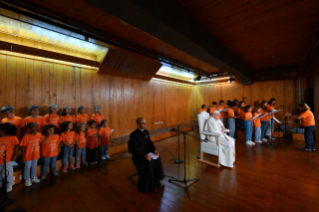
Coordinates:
column 150, row 170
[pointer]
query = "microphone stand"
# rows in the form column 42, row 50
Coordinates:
column 185, row 181
column 6, row 201
column 178, row 160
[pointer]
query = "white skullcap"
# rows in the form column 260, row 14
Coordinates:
column 216, row 111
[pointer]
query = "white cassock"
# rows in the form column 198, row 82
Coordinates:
column 226, row 143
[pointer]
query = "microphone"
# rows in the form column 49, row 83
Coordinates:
column 172, row 129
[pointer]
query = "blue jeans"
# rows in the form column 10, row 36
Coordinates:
column 80, row 152
column 30, row 164
column 257, row 133
column 67, row 153
column 309, row 137
column 248, row 130
column 232, row 127
column 104, row 150
column 49, row 161
column 263, row 128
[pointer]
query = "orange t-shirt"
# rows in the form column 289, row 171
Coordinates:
column 248, row 115
column 222, row 114
column 212, row 109
column 7, row 143
column 52, row 119
column 39, row 120
column 51, row 147
column 68, row 137
column 105, row 135
column 81, row 139
column 270, row 108
column 32, row 144
column 239, row 111
column 70, row 118
column 266, row 118
column 257, row 121
column 307, row 118
column 97, row 118
column 201, row 110
column 82, row 118
column 230, row 113
column 15, row 121
column 93, row 141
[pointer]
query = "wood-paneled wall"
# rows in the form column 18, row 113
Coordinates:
column 24, row 82
column 282, row 90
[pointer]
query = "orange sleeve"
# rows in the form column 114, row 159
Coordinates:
column 230, row 113
column 15, row 141
column 24, row 122
column 61, row 120
column 62, row 137
column 46, row 118
column 24, row 141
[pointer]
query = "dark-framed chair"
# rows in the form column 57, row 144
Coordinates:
column 129, row 150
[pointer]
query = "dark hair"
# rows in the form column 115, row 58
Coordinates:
column 29, row 125
column 7, row 107
column 303, row 107
column 64, row 109
column 235, row 100
column 139, row 119
column 262, row 105
column 244, row 98
column 8, row 129
column 221, row 101
column 45, row 132
column 64, row 126
column 103, row 121
column 246, row 108
column 80, row 108
column 214, row 103
column 52, row 106
column 271, row 100
column 91, row 122
column 78, row 127
column 32, row 107
column 203, row 106
column 240, row 104
column 256, row 104
column 231, row 104
column 96, row 106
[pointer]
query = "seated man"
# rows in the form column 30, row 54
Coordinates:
column 150, row 171
column 225, row 143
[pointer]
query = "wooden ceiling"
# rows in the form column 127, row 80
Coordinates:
column 262, row 34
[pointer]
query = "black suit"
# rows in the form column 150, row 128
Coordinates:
column 150, row 172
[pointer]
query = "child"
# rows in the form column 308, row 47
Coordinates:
column 7, row 112
column 93, row 141
column 221, row 106
column 82, row 117
column 97, row 116
column 241, row 113
column 67, row 115
column 231, row 118
column 50, row 143
column 34, row 117
column 203, row 108
column 81, row 144
column 264, row 119
column 31, row 153
column 248, row 118
column 9, row 142
column 105, row 135
column 257, row 124
column 213, row 108
column 68, row 139
column 53, row 116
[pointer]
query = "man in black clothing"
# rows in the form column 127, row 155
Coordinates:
column 150, row 171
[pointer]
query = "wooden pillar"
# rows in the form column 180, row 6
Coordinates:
column 316, row 106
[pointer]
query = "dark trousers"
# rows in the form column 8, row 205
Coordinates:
column 309, row 137
column 91, row 157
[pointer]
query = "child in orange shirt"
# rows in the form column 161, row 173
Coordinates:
column 231, row 119
column 68, row 139
column 82, row 117
column 53, row 116
column 105, row 135
column 31, row 153
column 81, row 143
column 240, row 112
column 264, row 119
column 7, row 112
column 257, row 123
column 67, row 115
column 10, row 143
column 93, row 141
column 97, row 116
column 50, row 143
column 34, row 117
column 248, row 119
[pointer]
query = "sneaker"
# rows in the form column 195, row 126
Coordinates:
column 35, row 180
column 55, row 174
column 264, row 139
column 72, row 167
column 107, row 156
column 272, row 138
column 9, row 189
column 93, row 163
column 64, row 170
column 252, row 143
column 85, row 163
column 44, row 177
column 28, row 183
column 103, row 158
column 77, row 165
column 258, row 142
column 248, row 143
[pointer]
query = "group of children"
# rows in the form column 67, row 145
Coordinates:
column 245, row 117
column 44, row 137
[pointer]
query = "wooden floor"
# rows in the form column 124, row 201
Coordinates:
column 263, row 179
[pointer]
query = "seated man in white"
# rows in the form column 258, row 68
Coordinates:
column 226, row 144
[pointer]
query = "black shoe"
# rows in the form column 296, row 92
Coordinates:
column 306, row 150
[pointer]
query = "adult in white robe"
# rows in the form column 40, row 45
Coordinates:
column 225, row 143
